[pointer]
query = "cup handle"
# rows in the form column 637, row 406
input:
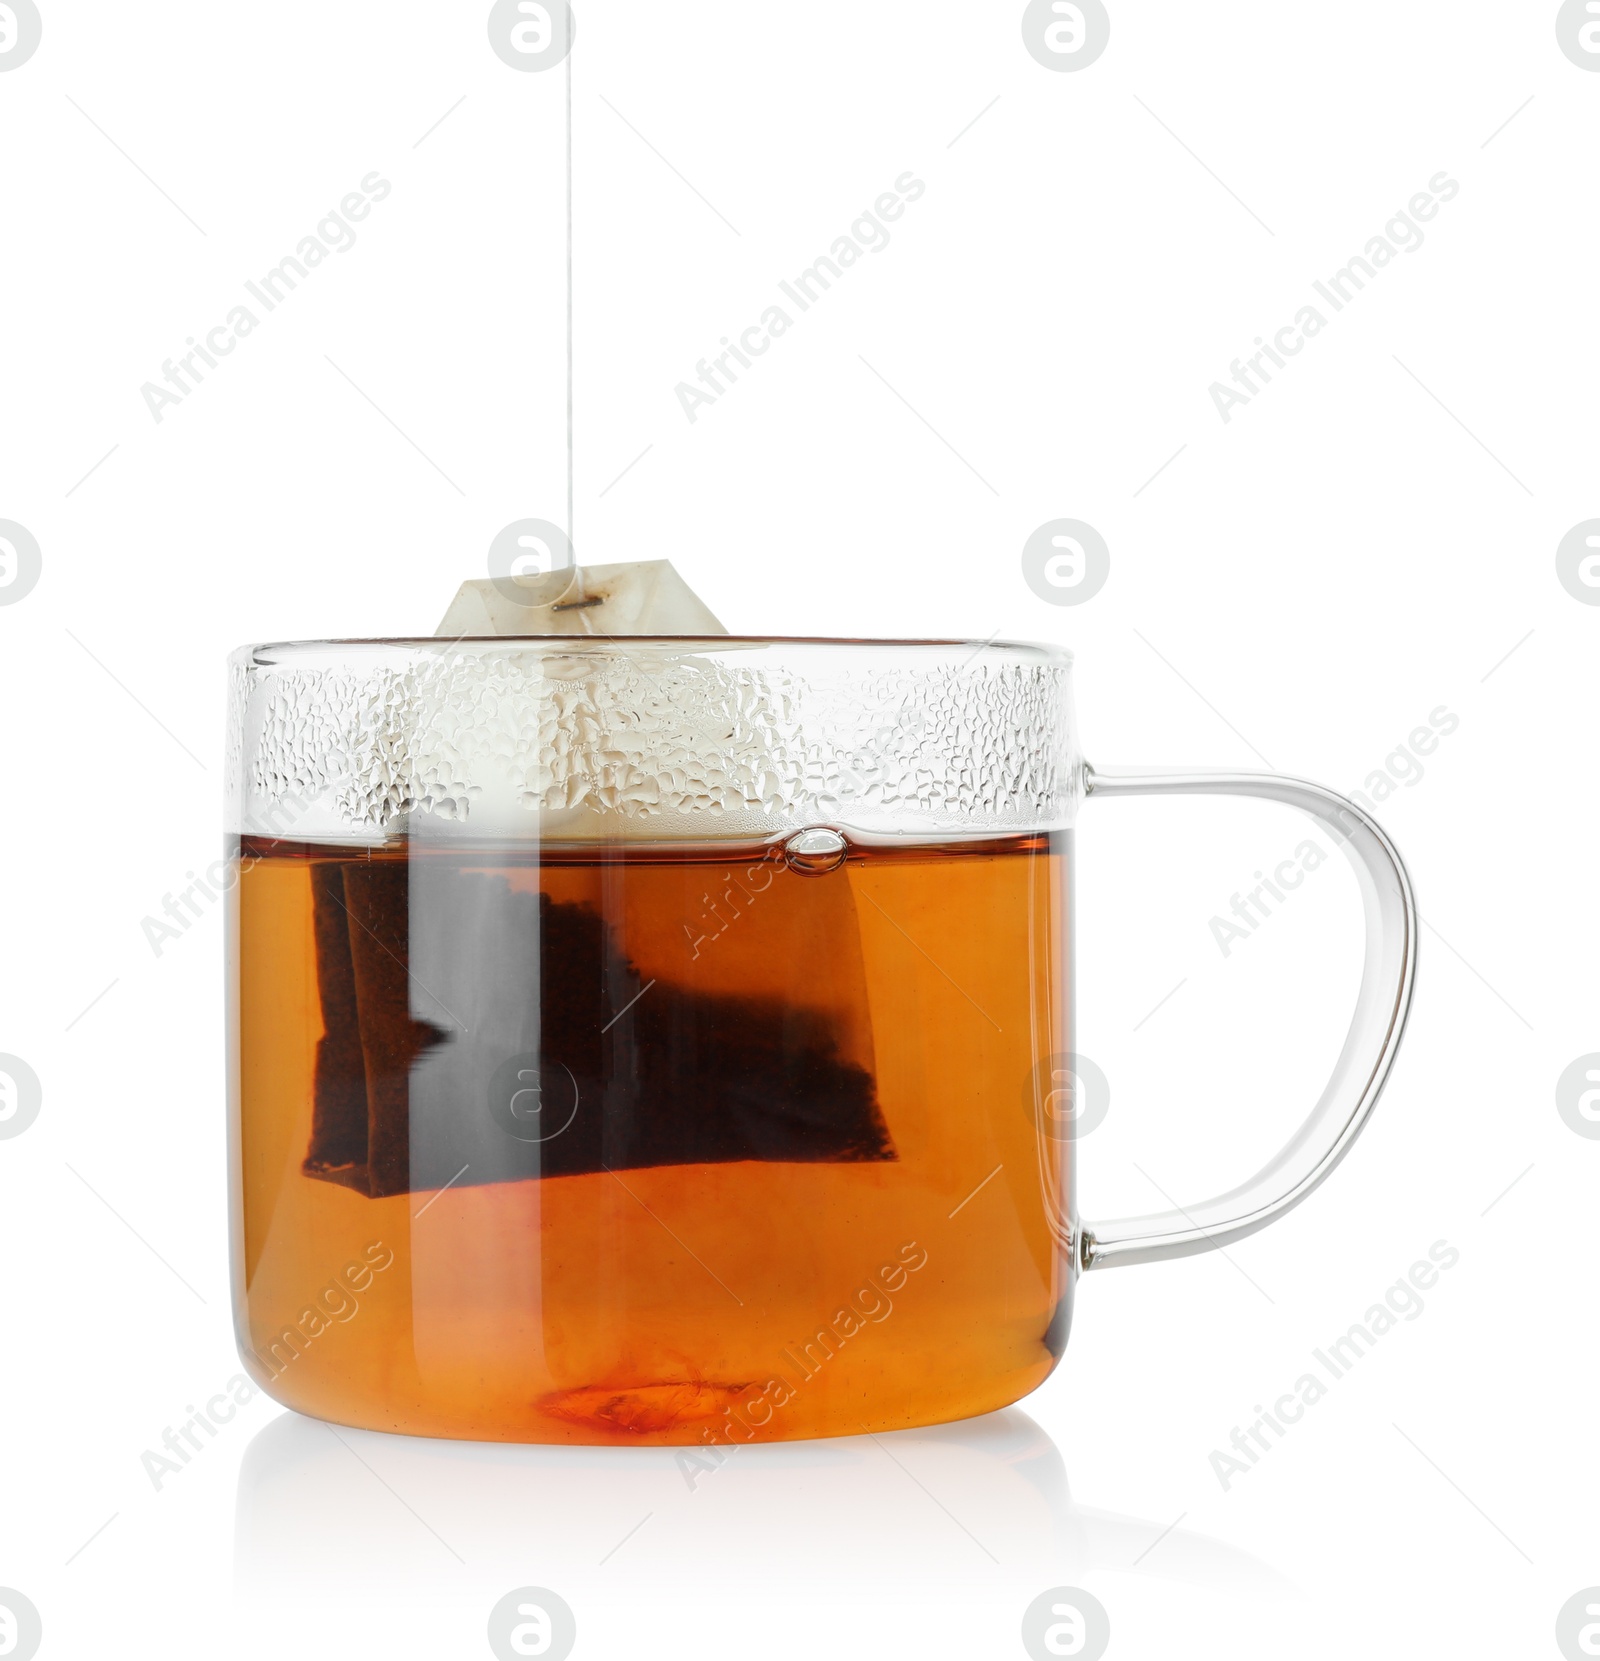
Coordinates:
column 1387, row 977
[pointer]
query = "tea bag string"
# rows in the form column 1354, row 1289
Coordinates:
column 571, row 524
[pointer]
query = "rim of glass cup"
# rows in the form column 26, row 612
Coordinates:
column 567, row 642
column 974, row 674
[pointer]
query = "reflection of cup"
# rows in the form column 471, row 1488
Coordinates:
column 629, row 1033
column 912, row 1525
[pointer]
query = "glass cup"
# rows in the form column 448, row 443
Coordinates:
column 670, row 1040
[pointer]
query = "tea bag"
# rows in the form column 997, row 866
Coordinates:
column 490, row 1018
column 644, row 597
column 503, row 1035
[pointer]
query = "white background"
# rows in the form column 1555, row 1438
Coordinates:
column 1363, row 543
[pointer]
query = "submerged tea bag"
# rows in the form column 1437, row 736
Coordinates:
column 497, row 1007
column 501, row 1035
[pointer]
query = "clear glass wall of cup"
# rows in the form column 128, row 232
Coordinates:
column 671, row 1040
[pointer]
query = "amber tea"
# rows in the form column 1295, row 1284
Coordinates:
column 650, row 1143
